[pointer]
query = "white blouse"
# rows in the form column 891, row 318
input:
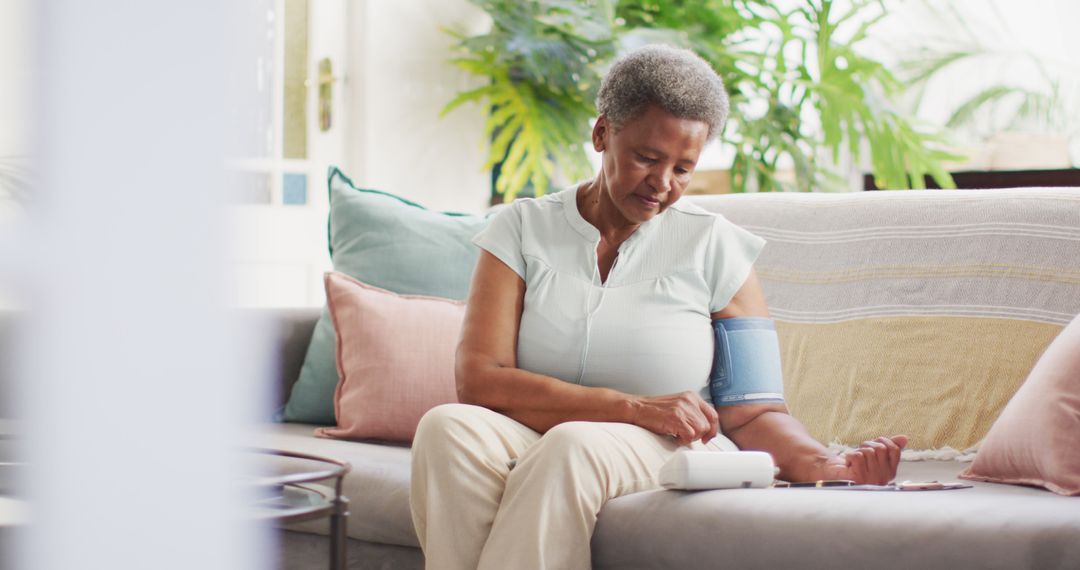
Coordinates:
column 647, row 329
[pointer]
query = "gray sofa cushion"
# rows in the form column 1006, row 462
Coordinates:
column 988, row 526
column 377, row 485
column 302, row 551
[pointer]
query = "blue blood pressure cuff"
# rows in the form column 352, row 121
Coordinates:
column 746, row 362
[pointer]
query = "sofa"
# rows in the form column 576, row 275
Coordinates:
column 917, row 312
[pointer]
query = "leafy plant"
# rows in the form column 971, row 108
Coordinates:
column 1035, row 101
column 800, row 91
column 539, row 59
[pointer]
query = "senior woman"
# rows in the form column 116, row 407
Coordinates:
column 585, row 355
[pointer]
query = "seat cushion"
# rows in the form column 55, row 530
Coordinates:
column 377, row 485
column 988, row 526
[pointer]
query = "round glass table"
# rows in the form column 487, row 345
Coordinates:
column 305, row 490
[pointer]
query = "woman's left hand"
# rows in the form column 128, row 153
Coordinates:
column 874, row 462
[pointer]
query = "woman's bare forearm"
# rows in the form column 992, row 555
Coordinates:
column 798, row 455
column 538, row 401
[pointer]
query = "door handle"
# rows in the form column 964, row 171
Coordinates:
column 326, row 82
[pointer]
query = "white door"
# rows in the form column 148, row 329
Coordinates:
column 290, row 134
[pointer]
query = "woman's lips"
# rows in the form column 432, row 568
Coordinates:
column 649, row 202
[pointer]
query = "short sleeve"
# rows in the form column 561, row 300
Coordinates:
column 502, row 238
column 731, row 254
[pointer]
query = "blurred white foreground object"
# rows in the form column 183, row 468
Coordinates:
column 134, row 382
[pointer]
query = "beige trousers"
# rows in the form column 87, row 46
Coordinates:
column 490, row 493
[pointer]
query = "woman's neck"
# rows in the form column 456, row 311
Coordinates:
column 596, row 207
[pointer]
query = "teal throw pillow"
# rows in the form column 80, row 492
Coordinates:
column 391, row 243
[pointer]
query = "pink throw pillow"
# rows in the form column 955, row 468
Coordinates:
column 395, row 358
column 1036, row 439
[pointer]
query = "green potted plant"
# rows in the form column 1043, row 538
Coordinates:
column 800, row 90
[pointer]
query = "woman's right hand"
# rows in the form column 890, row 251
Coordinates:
column 685, row 417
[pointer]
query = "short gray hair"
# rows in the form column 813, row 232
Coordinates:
column 677, row 80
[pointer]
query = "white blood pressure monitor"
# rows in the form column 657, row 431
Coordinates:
column 701, row 470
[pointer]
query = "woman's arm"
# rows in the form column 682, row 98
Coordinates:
column 487, row 373
column 769, row 427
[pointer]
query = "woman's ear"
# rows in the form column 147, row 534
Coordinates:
column 600, row 133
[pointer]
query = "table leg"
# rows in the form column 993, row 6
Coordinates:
column 338, row 534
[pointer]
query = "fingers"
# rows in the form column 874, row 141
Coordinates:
column 882, row 457
column 894, row 453
column 875, row 461
column 688, row 436
column 706, row 421
column 877, row 458
column 695, row 421
column 685, row 417
column 713, row 420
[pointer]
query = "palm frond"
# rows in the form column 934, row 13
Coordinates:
column 963, row 114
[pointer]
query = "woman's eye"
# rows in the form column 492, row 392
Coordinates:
column 681, row 171
column 647, row 159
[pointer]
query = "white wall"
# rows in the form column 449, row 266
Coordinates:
column 399, row 82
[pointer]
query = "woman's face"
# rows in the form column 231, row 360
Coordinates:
column 647, row 162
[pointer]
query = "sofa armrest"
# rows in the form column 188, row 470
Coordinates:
column 9, row 319
column 294, row 335
column 289, row 334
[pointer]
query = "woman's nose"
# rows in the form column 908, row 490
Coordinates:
column 661, row 180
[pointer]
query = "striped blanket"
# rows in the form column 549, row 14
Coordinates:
column 917, row 312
